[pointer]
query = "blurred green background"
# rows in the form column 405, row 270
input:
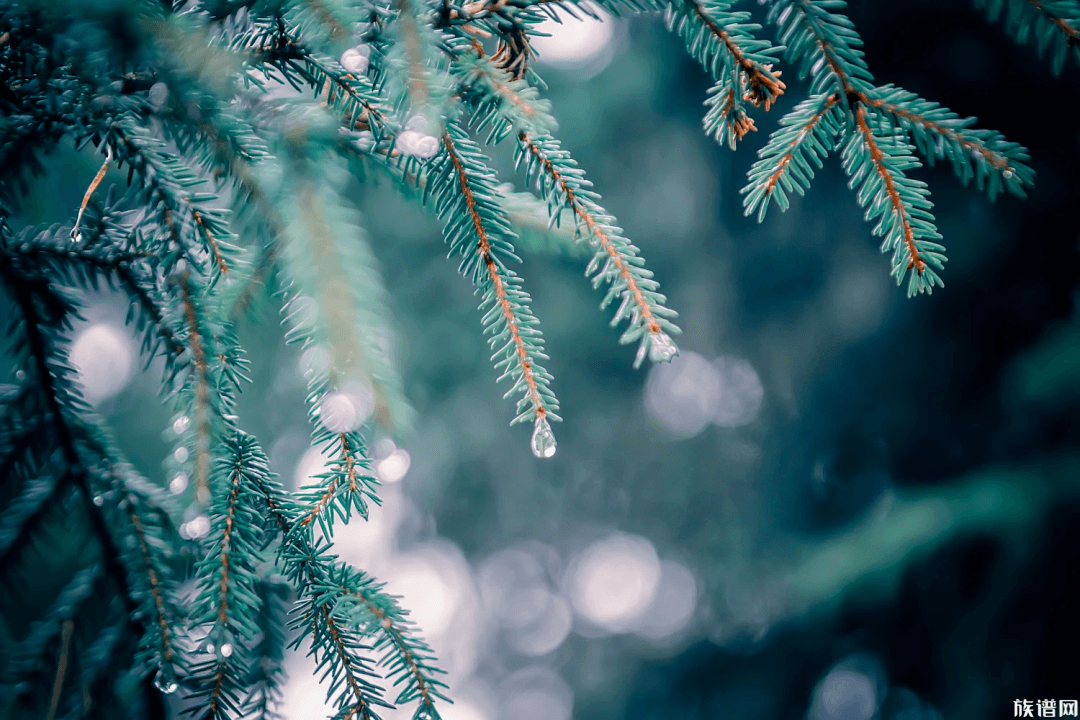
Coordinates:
column 838, row 503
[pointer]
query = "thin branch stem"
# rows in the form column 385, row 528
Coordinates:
column 496, row 278
column 597, row 231
column 915, row 259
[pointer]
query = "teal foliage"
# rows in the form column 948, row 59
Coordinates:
column 240, row 126
column 1053, row 26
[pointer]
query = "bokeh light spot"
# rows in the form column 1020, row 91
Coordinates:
column 614, row 580
column 576, row 44
column 104, row 356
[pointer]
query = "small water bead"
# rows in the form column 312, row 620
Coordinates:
column 164, row 682
column 225, row 650
column 543, row 440
column 661, row 348
column 209, row 647
column 76, row 235
column 98, row 500
column 20, row 374
column 355, row 60
column 181, row 454
column 1007, row 174
column 180, row 424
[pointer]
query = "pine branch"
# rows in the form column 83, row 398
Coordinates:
column 228, row 598
column 497, row 100
column 741, row 64
column 823, row 44
column 806, row 135
column 1050, row 24
column 478, row 230
column 615, row 260
column 939, row 133
column 827, row 47
column 876, row 165
column 316, row 614
column 407, row 658
column 362, row 605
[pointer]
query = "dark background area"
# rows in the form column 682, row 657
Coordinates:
column 971, row 627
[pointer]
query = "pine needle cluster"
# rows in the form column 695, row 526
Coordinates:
column 239, row 123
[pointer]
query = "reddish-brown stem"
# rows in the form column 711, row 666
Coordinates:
column 1065, row 27
column 765, row 86
column 496, row 278
column 998, row 161
column 346, row 663
column 787, row 156
column 202, row 420
column 878, row 158
column 200, row 223
column 223, row 598
column 395, row 635
column 597, row 231
column 155, row 588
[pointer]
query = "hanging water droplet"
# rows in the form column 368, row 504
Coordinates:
column 209, row 647
column 543, row 440
column 1007, row 174
column 225, row 650
column 164, row 682
column 20, row 374
column 98, row 500
column 181, row 454
column 355, row 60
column 180, row 424
column 661, row 347
column 76, row 235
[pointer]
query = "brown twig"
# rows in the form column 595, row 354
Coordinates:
column 496, row 279
column 155, row 588
column 223, row 597
column 1074, row 36
column 765, row 85
column 915, row 259
column 66, row 633
column 202, row 419
column 90, row 190
column 787, row 156
column 597, row 231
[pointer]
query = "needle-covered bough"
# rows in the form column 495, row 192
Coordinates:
column 238, row 123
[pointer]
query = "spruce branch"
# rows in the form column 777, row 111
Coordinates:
column 265, row 104
column 876, row 166
column 1052, row 25
column 615, row 260
column 741, row 65
column 202, row 390
column 806, row 135
column 335, row 590
column 826, row 47
column 464, row 190
column 228, row 599
column 939, row 133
